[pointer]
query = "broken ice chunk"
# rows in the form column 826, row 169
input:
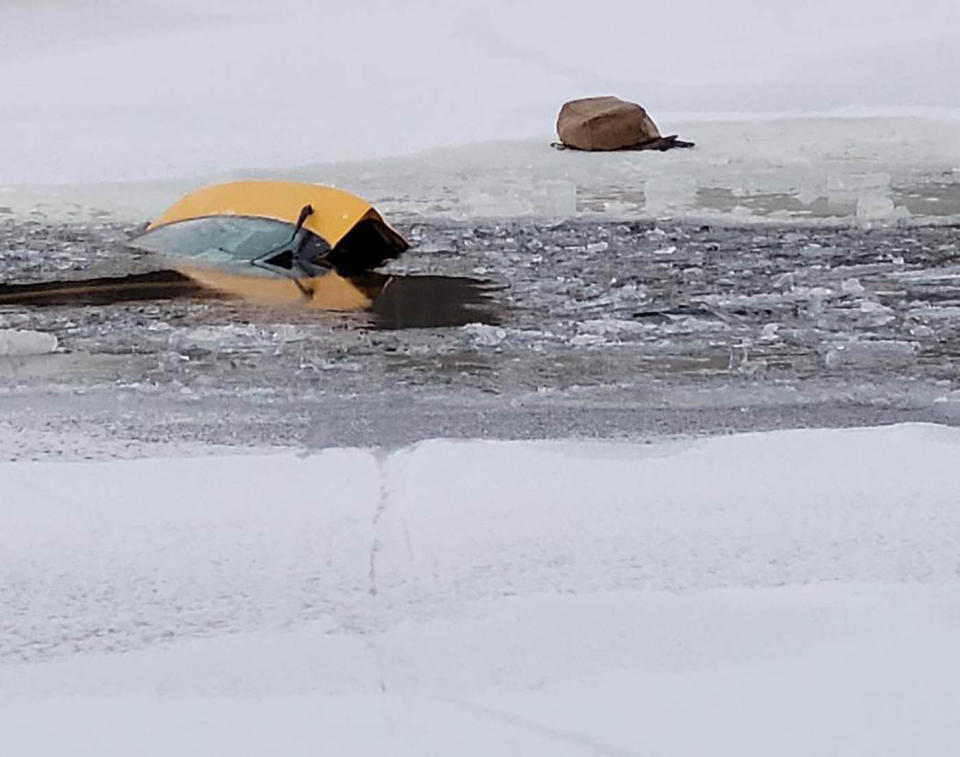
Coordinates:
column 20, row 343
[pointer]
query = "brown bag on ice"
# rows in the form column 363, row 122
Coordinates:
column 609, row 123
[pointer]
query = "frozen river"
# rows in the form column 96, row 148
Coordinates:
column 397, row 580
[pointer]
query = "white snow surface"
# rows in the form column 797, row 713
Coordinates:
column 788, row 593
column 186, row 92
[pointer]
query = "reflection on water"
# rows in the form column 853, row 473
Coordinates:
column 409, row 302
column 156, row 285
column 393, row 301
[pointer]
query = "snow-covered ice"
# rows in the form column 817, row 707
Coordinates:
column 154, row 89
column 784, row 592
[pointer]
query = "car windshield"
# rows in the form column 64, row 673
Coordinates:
column 217, row 239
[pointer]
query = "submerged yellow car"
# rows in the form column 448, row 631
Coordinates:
column 275, row 241
column 278, row 243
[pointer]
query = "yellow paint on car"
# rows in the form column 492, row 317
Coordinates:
column 335, row 212
column 328, row 292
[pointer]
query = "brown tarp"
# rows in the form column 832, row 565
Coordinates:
column 609, row 123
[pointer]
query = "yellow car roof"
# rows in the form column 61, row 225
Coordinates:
column 335, row 212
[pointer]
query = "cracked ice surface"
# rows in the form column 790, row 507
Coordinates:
column 617, row 317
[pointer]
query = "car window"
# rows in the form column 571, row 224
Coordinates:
column 217, row 239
